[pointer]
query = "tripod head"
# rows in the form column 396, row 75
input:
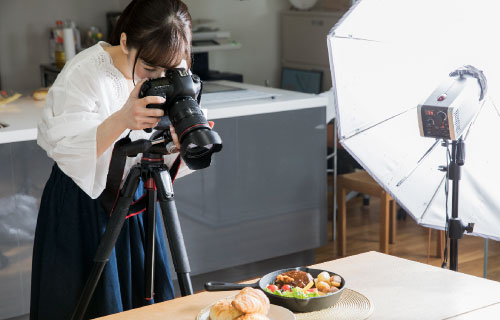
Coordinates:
column 196, row 156
column 160, row 143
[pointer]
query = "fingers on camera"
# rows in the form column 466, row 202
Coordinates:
column 153, row 100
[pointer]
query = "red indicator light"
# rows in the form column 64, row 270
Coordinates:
column 442, row 97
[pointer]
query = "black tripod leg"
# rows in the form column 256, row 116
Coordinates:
column 108, row 241
column 174, row 232
column 150, row 220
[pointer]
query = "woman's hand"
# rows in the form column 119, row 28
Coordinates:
column 175, row 138
column 135, row 116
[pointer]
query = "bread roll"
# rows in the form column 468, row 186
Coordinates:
column 251, row 300
column 224, row 310
column 40, row 94
column 253, row 316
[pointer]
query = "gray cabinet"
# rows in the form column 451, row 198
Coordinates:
column 304, row 41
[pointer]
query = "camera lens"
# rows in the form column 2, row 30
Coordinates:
column 194, row 151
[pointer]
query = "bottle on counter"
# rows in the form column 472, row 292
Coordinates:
column 60, row 54
column 69, row 40
column 59, row 29
column 52, row 46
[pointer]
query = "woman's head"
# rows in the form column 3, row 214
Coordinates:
column 155, row 34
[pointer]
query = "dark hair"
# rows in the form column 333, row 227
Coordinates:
column 161, row 27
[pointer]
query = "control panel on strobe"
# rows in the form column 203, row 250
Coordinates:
column 435, row 122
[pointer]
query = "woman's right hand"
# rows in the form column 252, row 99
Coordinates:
column 134, row 114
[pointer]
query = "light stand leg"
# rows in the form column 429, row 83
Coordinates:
column 455, row 227
column 173, row 230
column 108, row 241
column 454, row 223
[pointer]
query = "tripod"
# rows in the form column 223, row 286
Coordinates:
column 455, row 226
column 158, row 186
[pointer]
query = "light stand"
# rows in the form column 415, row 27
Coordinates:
column 446, row 114
column 158, row 185
column 456, row 228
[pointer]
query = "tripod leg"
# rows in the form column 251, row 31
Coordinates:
column 173, row 229
column 150, row 220
column 108, row 241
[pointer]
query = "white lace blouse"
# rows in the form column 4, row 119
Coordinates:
column 87, row 91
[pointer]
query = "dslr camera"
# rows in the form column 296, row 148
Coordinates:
column 182, row 92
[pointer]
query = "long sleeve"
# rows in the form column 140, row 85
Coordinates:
column 69, row 124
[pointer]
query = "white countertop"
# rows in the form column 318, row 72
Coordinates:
column 22, row 117
column 23, row 114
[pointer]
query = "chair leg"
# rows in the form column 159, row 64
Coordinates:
column 429, row 237
column 392, row 222
column 341, row 225
column 440, row 244
column 384, row 222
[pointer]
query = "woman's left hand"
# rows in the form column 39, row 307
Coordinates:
column 175, row 138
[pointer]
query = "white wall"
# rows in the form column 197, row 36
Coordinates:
column 253, row 23
column 24, row 31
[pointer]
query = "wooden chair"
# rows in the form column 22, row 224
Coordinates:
column 362, row 182
column 440, row 239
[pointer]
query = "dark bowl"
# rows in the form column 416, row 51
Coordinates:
column 293, row 304
column 301, row 305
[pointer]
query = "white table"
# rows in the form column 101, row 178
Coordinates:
column 398, row 288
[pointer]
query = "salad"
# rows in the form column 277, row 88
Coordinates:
column 301, row 285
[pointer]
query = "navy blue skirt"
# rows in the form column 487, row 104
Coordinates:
column 69, row 227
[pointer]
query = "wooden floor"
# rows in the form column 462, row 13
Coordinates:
column 411, row 241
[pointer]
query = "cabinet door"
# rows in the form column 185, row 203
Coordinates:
column 304, row 37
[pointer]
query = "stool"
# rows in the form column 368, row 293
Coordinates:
column 361, row 181
column 440, row 239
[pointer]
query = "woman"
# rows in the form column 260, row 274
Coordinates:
column 93, row 103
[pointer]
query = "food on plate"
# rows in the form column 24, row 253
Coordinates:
column 323, row 286
column 324, row 276
column 253, row 316
column 250, row 300
column 248, row 304
column 8, row 97
column 224, row 310
column 294, row 278
column 40, row 94
column 292, row 284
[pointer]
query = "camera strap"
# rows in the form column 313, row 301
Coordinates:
column 115, row 175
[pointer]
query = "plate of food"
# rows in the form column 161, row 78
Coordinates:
column 248, row 304
column 297, row 289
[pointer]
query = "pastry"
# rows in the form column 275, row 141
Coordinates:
column 251, row 300
column 253, row 316
column 40, row 94
column 224, row 310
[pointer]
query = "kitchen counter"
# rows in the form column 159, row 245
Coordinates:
column 23, row 114
column 22, row 117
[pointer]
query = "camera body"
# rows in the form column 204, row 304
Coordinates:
column 182, row 92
